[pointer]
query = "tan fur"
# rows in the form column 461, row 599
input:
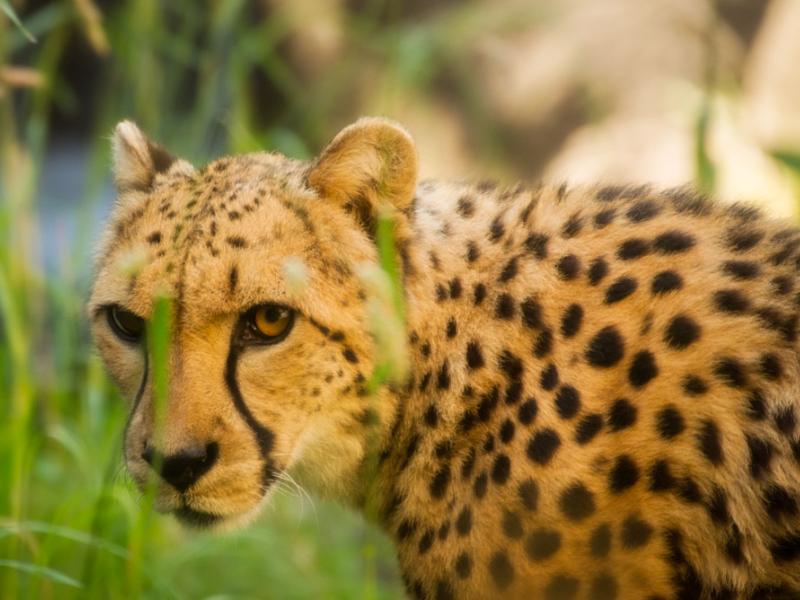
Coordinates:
column 725, row 521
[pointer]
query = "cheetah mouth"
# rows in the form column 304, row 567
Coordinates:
column 196, row 519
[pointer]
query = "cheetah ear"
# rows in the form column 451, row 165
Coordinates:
column 137, row 159
column 372, row 162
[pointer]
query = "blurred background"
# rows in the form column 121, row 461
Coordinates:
column 665, row 91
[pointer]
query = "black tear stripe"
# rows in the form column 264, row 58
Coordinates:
column 264, row 437
column 138, row 398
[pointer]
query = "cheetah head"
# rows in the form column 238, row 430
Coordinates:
column 259, row 256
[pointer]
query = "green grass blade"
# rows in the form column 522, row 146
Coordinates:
column 45, row 572
column 9, row 10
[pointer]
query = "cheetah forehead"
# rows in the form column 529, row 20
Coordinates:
column 220, row 239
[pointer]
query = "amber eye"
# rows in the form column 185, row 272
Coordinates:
column 270, row 323
column 125, row 324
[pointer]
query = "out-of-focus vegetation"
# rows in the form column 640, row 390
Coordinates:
column 669, row 92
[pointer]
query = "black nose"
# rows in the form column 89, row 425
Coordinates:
column 182, row 469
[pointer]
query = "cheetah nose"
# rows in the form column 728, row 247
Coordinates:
column 182, row 469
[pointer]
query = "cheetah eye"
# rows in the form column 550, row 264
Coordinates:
column 125, row 324
column 268, row 323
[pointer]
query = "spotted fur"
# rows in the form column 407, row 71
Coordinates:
column 603, row 391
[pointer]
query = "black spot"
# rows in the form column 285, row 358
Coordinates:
column 609, row 193
column 431, row 416
column 770, row 366
column 644, row 210
column 666, row 281
column 536, row 243
column 606, row 348
column 501, row 469
column 731, row 372
column 349, row 355
column 597, row 270
column 621, row 415
column 512, row 525
column 507, row 430
column 741, row 269
column 568, row 402
column 689, row 491
column 588, row 427
column 709, row 442
column 504, row 308
column 756, row 406
column 527, row 411
column 478, row 293
column 620, row 289
column 154, row 238
column 452, row 328
column 778, row 502
column 561, row 587
column 624, row 474
column 782, row 285
column 531, row 313
column 426, row 541
column 672, row 242
column 661, row 478
column 464, row 521
column 236, row 242
column 544, row 343
column 233, row 279
column 444, row 590
column 501, row 569
column 643, row 369
column 463, row 565
column 604, row 218
column 488, row 403
column 632, row 249
column 406, row 529
column 604, row 587
column 718, row 506
column 528, row 493
column 496, row 230
column 443, row 449
column 480, row 485
column 731, row 301
column 543, row 445
column 576, row 502
column 474, row 355
column 571, row 321
column 513, row 392
column 488, row 444
column 694, row 386
column 426, row 379
column 455, row 288
column 786, row 548
column 440, row 482
column 761, row 452
column 669, row 422
column 473, row 252
column 443, row 378
column 600, row 541
column 635, row 533
column 568, row 267
column 572, row 227
column 509, row 271
column 441, row 293
column 425, row 349
column 468, row 464
column 786, row 421
column 510, row 364
column 681, row 332
column 542, row 543
column 465, row 207
column 549, row 377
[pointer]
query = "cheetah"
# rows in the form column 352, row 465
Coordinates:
column 602, row 393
